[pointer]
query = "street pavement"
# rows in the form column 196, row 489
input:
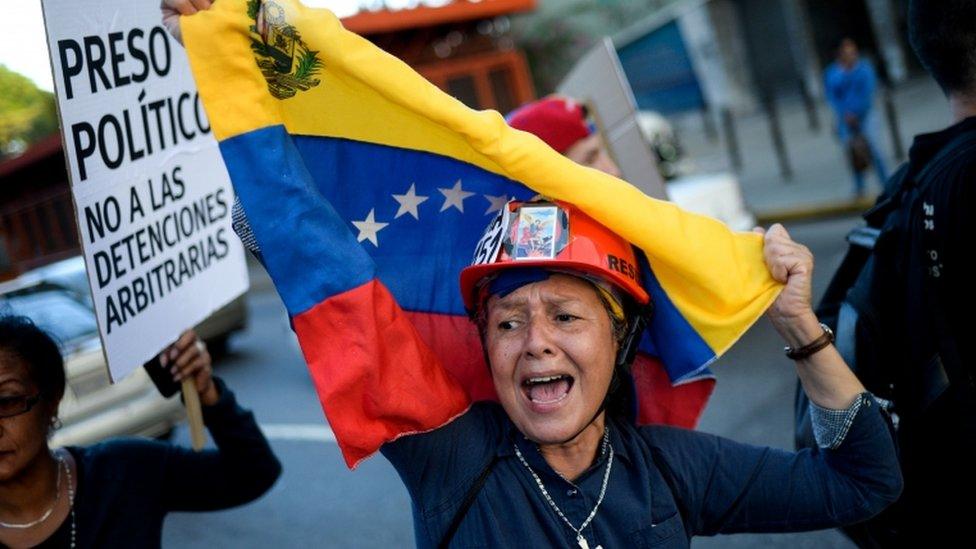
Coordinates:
column 319, row 503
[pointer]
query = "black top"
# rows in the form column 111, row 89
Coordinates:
column 126, row 486
column 938, row 444
column 666, row 484
column 952, row 209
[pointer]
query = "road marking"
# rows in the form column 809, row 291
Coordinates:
column 310, row 432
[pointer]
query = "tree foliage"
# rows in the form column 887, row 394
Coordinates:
column 27, row 113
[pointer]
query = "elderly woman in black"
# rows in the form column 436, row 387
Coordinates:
column 113, row 494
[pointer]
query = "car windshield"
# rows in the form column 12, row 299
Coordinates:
column 54, row 311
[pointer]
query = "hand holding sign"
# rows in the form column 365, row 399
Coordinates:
column 189, row 364
column 188, row 359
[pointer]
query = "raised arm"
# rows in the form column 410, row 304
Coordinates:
column 825, row 377
column 725, row 487
column 240, row 469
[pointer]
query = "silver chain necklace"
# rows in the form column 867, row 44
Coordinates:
column 603, row 491
column 62, row 465
column 44, row 516
column 71, row 500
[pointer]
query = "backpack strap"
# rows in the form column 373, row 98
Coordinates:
column 469, row 498
column 861, row 244
column 889, row 200
column 668, row 475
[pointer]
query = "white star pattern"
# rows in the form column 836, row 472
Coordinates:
column 454, row 196
column 368, row 228
column 497, row 202
column 409, row 202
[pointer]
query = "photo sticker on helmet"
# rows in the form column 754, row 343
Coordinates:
column 491, row 241
column 536, row 233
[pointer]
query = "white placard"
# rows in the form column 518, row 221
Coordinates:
column 599, row 81
column 152, row 196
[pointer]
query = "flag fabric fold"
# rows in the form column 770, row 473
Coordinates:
column 367, row 189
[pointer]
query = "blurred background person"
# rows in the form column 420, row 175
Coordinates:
column 849, row 84
column 562, row 123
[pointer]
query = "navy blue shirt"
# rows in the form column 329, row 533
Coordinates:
column 719, row 486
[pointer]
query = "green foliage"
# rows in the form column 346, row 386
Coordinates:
column 308, row 63
column 261, row 49
column 27, row 113
column 253, row 6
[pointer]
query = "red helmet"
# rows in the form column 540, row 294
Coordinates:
column 552, row 235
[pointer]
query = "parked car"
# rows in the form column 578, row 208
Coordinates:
column 92, row 409
column 215, row 330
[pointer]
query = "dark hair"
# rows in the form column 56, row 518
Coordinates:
column 20, row 338
column 843, row 39
column 941, row 33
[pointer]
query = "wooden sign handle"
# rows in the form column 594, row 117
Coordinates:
column 194, row 414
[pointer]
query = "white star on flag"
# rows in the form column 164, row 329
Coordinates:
column 497, row 202
column 409, row 202
column 368, row 228
column 454, row 196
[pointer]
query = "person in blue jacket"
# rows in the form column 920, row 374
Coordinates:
column 850, row 83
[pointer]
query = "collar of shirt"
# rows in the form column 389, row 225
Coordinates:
column 927, row 145
column 530, row 450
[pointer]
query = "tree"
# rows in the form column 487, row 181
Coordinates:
column 27, row 113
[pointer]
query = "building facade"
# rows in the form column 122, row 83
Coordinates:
column 742, row 52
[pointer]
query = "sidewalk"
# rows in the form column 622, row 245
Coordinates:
column 821, row 183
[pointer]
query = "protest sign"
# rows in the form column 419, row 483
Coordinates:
column 151, row 193
column 598, row 81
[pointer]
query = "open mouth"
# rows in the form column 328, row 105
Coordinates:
column 547, row 389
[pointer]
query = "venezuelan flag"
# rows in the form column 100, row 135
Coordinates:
column 367, row 189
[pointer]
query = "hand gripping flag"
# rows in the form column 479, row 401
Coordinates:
column 367, row 189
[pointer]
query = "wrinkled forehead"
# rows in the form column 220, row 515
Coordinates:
column 554, row 289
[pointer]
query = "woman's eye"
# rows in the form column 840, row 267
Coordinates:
column 565, row 317
column 507, row 325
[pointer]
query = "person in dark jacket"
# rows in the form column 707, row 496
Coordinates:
column 116, row 493
column 926, row 296
column 559, row 461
